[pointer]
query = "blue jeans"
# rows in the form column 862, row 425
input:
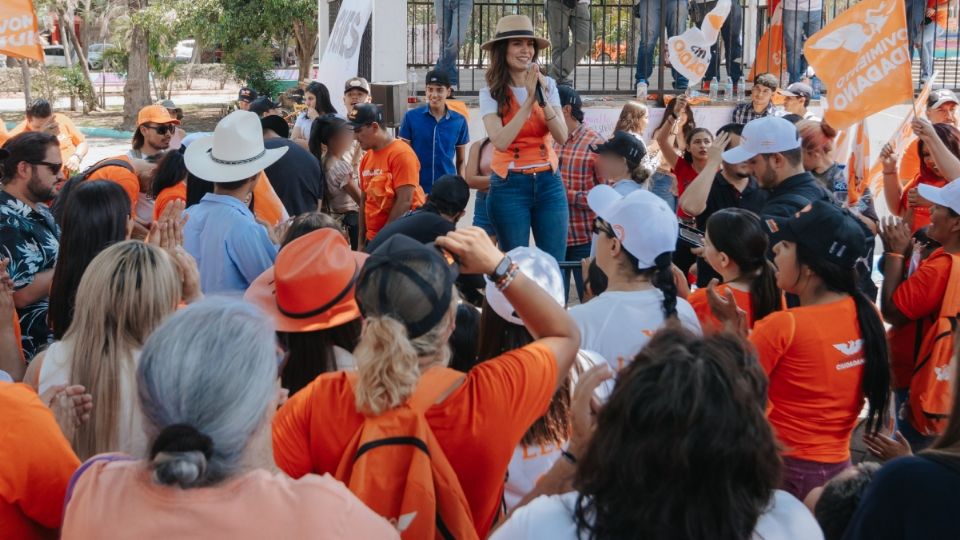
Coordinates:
column 732, row 40
column 661, row 185
column 797, row 27
column 480, row 218
column 453, row 21
column 522, row 202
column 930, row 34
column 575, row 254
column 652, row 20
column 916, row 12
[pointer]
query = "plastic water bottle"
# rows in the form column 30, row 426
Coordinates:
column 728, row 90
column 411, row 86
column 741, row 89
column 714, row 88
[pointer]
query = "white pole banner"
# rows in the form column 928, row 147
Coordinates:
column 690, row 51
column 340, row 60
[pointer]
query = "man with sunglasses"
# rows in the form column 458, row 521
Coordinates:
column 29, row 237
column 155, row 128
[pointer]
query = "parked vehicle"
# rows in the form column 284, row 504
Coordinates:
column 54, row 55
column 95, row 54
column 183, row 51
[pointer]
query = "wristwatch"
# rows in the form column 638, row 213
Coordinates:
column 500, row 272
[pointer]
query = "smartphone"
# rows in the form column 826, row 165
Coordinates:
column 691, row 236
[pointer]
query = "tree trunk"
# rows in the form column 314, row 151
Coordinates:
column 136, row 89
column 89, row 98
column 305, row 37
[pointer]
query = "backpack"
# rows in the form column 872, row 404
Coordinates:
column 395, row 465
column 931, row 388
column 57, row 207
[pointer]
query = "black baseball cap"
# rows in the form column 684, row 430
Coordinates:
column 940, row 96
column 276, row 124
column 262, row 104
column 435, row 76
column 364, row 114
column 450, row 192
column 622, row 144
column 407, row 281
column 826, row 230
column 247, row 94
column 569, row 96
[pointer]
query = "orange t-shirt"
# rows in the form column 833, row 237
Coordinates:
column 918, row 217
column 381, row 173
column 910, row 163
column 166, row 196
column 919, row 298
column 70, row 137
column 813, row 358
column 36, row 464
column 709, row 323
column 128, row 180
column 478, row 425
column 115, row 497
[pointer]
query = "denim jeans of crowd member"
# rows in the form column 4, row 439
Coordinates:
column 661, row 185
column 730, row 34
column 575, row 254
column 562, row 22
column 654, row 15
column 453, row 21
column 521, row 202
column 931, row 31
column 797, row 27
column 916, row 12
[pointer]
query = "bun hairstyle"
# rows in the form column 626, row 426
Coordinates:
column 179, row 455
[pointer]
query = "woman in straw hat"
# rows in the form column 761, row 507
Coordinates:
column 525, row 187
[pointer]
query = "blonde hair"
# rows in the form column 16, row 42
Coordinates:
column 631, row 115
column 124, row 294
column 388, row 362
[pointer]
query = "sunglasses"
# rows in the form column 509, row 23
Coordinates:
column 601, row 226
column 55, row 168
column 162, row 129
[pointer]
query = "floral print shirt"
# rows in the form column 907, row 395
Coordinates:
column 30, row 238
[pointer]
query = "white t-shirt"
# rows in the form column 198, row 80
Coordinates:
column 304, row 124
column 617, row 324
column 552, row 517
column 488, row 105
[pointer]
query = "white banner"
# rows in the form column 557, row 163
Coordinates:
column 690, row 51
column 339, row 61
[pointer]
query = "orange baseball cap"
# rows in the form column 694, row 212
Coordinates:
column 156, row 114
column 311, row 285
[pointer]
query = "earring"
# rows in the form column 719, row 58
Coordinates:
column 248, row 198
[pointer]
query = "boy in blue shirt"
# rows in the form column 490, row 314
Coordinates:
column 437, row 134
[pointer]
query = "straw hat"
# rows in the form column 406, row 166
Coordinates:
column 515, row 26
column 311, row 285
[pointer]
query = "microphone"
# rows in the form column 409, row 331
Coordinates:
column 540, row 97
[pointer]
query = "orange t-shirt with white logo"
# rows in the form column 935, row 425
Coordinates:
column 478, row 425
column 813, row 356
column 381, row 173
column 176, row 192
column 709, row 323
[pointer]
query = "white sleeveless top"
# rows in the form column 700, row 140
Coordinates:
column 130, row 436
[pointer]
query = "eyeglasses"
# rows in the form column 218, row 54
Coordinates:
column 162, row 129
column 55, row 168
column 600, row 225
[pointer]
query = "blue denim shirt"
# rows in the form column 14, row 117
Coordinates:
column 230, row 247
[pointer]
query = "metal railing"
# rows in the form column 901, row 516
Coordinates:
column 608, row 65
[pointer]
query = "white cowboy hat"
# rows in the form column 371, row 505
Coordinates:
column 513, row 27
column 234, row 152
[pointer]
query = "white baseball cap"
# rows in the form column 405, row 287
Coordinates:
column 767, row 135
column 537, row 265
column 643, row 222
column 948, row 195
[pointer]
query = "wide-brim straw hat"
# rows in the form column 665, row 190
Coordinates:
column 234, row 152
column 514, row 27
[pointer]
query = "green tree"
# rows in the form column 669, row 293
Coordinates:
column 270, row 21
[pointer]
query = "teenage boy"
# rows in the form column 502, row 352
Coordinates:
column 760, row 104
column 437, row 134
column 796, row 99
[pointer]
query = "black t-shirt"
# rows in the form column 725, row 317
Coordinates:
column 296, row 177
column 911, row 498
column 422, row 225
column 724, row 195
column 794, row 194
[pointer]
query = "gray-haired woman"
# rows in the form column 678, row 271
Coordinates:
column 208, row 390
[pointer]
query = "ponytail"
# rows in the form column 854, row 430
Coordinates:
column 179, row 456
column 638, row 173
column 876, row 357
column 663, row 280
column 765, row 296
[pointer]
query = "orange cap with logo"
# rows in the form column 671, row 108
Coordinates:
column 156, row 114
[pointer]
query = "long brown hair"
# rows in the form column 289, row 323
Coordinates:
column 630, row 117
column 498, row 74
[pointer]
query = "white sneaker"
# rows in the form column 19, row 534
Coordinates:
column 642, row 91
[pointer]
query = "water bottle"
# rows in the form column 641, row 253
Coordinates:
column 741, row 89
column 411, row 86
column 728, row 90
column 714, row 88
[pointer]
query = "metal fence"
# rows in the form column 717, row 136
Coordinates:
column 608, row 60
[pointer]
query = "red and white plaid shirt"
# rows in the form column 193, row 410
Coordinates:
column 579, row 173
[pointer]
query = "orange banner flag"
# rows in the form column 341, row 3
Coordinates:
column 19, row 32
column 863, row 59
column 858, row 164
column 770, row 52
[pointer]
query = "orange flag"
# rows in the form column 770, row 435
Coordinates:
column 19, row 32
column 863, row 58
column 858, row 165
column 770, row 52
